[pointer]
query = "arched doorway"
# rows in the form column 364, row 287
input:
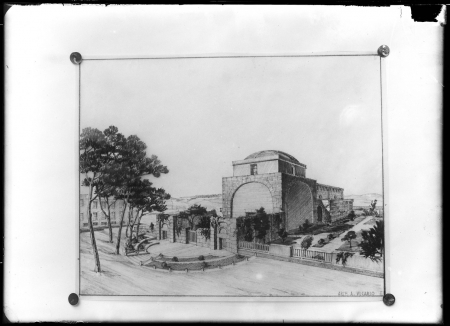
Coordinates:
column 319, row 213
column 250, row 197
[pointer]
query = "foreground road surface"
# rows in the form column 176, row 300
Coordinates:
column 256, row 277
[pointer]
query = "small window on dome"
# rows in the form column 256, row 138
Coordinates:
column 253, row 169
column 293, row 169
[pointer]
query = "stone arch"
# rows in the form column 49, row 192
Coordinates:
column 238, row 204
column 299, row 205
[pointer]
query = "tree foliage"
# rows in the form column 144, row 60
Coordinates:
column 143, row 199
column 306, row 242
column 372, row 242
column 349, row 237
column 343, row 256
column 282, row 234
column 197, row 217
column 351, row 215
column 253, row 225
column 92, row 162
column 114, row 166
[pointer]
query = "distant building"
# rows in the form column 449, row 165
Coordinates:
column 98, row 218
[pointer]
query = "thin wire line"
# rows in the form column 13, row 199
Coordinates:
column 79, row 180
column 239, row 57
column 382, row 175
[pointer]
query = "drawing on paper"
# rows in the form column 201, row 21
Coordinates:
column 232, row 176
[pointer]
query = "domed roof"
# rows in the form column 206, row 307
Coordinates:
column 282, row 155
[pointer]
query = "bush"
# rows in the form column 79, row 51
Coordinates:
column 201, row 257
column 175, row 258
column 164, row 264
column 318, row 257
column 331, row 236
column 282, row 234
column 307, row 241
column 306, row 225
column 321, row 241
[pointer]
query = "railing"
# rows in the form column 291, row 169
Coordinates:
column 253, row 246
column 314, row 255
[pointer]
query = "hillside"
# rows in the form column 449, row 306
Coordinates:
column 366, row 199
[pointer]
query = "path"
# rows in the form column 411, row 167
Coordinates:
column 337, row 242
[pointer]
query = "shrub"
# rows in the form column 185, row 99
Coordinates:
column 175, row 258
column 343, row 256
column 351, row 215
column 331, row 236
column 283, row 234
column 349, row 237
column 307, row 241
column 201, row 257
column 164, row 264
column 306, row 225
column 321, row 241
column 318, row 257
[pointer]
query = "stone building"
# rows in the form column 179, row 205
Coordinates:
column 277, row 181
column 98, row 218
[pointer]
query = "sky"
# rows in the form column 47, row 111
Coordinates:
column 199, row 115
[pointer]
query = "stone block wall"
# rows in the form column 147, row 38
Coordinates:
column 203, row 242
column 329, row 192
column 286, row 167
column 229, row 187
column 340, row 208
column 299, row 202
column 301, row 185
column 326, row 216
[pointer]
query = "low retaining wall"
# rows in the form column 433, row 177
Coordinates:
column 99, row 228
column 316, row 263
column 197, row 265
column 280, row 250
column 360, row 262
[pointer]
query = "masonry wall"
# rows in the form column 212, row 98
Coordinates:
column 262, row 168
column 98, row 218
column 203, row 242
column 340, row 208
column 326, row 216
column 329, row 192
column 286, row 167
column 229, row 187
column 303, row 186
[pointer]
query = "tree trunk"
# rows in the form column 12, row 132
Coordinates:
column 215, row 236
column 108, row 216
column 137, row 226
column 119, row 232
column 97, row 268
column 110, row 229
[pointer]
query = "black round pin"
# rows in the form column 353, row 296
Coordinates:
column 383, row 51
column 76, row 58
column 73, row 299
column 388, row 299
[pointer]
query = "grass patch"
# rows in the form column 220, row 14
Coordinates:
column 346, row 246
column 317, row 229
column 287, row 242
column 185, row 259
